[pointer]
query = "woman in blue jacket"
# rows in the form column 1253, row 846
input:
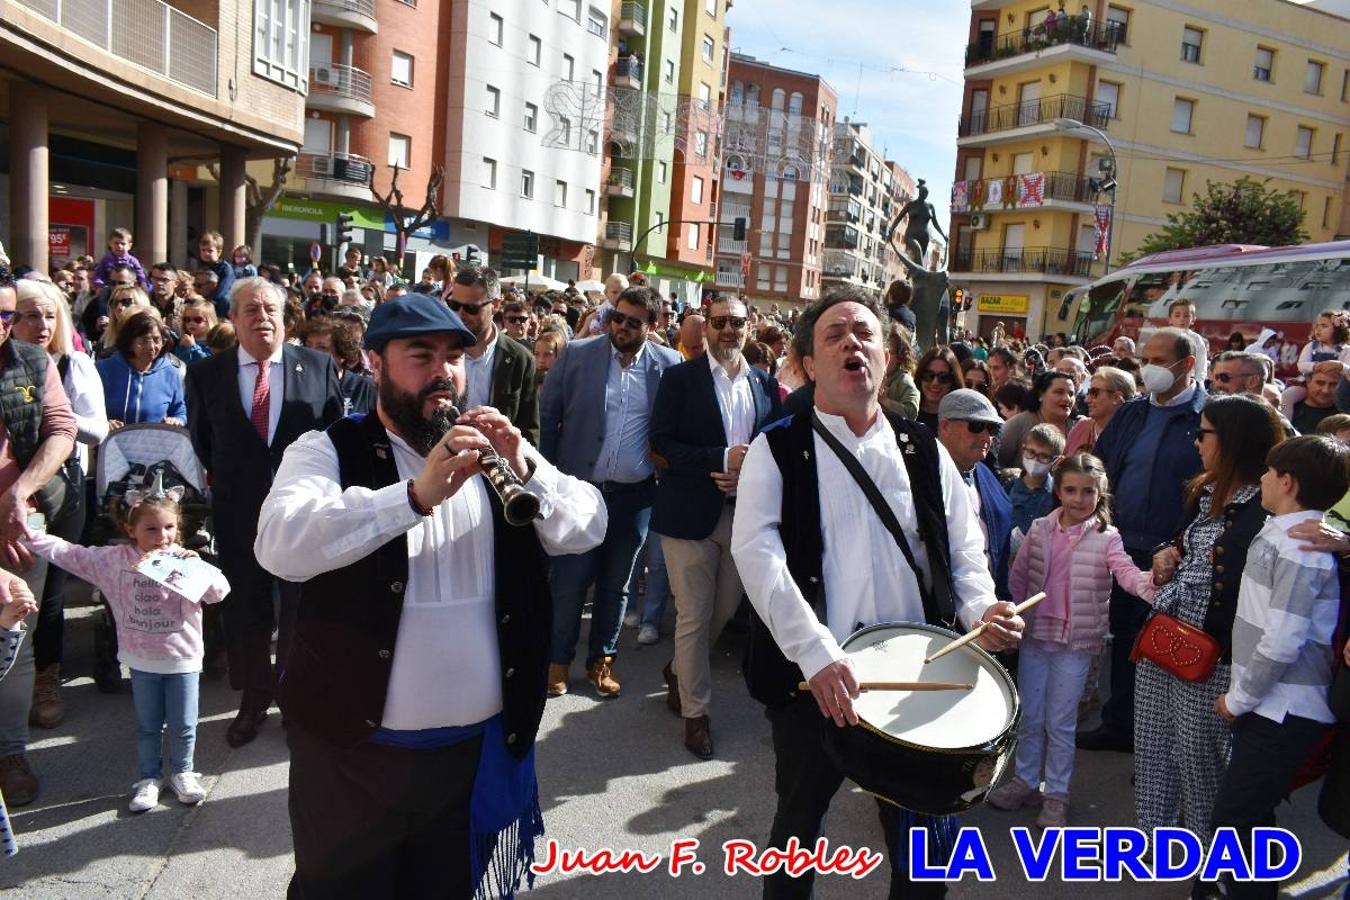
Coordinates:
column 139, row 383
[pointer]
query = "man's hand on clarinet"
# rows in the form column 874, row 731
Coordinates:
column 835, row 687
column 448, row 466
column 505, row 438
column 1004, row 629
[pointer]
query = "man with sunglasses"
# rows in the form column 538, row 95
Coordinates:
column 500, row 369
column 95, row 316
column 707, row 412
column 516, row 320
column 596, row 414
column 968, row 425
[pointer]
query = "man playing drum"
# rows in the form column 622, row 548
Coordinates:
column 818, row 563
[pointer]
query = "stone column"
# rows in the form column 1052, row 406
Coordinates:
column 233, row 198
column 29, row 185
column 152, row 193
column 178, row 222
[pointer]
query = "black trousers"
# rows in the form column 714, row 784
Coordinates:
column 806, row 781
column 249, row 620
column 50, row 630
column 372, row 822
column 1266, row 757
column 1126, row 615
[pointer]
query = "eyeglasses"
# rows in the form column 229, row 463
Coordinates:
column 939, row 377
column 1226, row 377
column 633, row 322
column 1201, row 432
column 471, row 308
column 517, row 320
column 984, row 428
column 1097, row 392
column 193, row 320
column 121, row 302
column 720, row 322
column 1046, row 458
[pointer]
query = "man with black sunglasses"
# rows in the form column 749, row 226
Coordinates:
column 500, row 368
column 968, row 425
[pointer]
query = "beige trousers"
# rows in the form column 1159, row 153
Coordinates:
column 707, row 591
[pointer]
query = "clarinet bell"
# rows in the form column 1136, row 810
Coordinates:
column 519, row 506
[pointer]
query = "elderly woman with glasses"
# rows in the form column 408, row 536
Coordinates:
column 139, row 382
column 938, row 374
column 1108, row 389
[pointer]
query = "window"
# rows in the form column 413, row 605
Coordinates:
column 1190, row 44
column 1118, row 22
column 590, row 202
column 1303, row 139
column 1265, row 64
column 1174, row 182
column 670, row 71
column 597, row 23
column 1256, row 130
column 1183, row 111
column 1326, row 212
column 667, row 121
column 1312, row 77
column 592, row 142
column 569, row 67
column 531, row 121
column 401, row 73
column 571, row 9
column 711, row 7
column 598, row 82
column 536, row 50
column 704, row 95
column 494, row 102
column 560, row 194
column 1108, row 92
column 696, row 190
column 1345, row 86
column 701, row 144
column 565, row 131
column 527, row 184
column 495, row 28
column 489, row 173
column 673, row 20
column 780, row 278
column 795, row 104
column 709, row 46
column 400, row 150
column 693, row 235
column 281, row 41
column 661, row 173
column 1336, row 149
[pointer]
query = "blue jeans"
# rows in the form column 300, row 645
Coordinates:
column 653, row 559
column 609, row 567
column 161, row 700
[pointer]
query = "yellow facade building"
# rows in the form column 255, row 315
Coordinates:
column 1160, row 97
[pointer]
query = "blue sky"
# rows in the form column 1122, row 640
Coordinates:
column 912, row 113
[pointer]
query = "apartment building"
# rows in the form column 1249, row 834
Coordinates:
column 866, row 193
column 108, row 108
column 777, row 142
column 1174, row 96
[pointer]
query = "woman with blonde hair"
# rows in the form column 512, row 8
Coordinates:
column 1109, row 388
column 123, row 303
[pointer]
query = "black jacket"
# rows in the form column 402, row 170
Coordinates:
column 514, row 387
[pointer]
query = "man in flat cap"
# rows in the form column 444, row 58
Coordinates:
column 415, row 685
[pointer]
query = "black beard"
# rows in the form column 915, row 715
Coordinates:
column 404, row 410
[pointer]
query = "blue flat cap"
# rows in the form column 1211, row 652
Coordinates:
column 412, row 315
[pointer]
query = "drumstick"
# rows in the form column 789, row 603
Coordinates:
column 979, row 629
column 903, row 686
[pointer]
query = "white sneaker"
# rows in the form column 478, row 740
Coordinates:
column 630, row 620
column 188, row 787
column 144, row 795
column 648, row 634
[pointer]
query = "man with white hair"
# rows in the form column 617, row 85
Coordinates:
column 1123, row 346
column 245, row 407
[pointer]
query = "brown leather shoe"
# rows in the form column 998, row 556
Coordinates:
column 672, row 688
column 698, row 737
column 601, row 676
column 17, row 781
column 47, row 710
column 557, row 680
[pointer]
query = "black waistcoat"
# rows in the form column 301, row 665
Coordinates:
column 1241, row 523
column 770, row 676
column 23, row 379
column 335, row 681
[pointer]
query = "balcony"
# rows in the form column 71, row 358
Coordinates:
column 728, row 245
column 1043, row 44
column 147, row 33
column 1057, row 264
column 1036, row 190
column 839, row 264
column 618, row 236
column 343, row 175
column 358, row 14
column 841, row 212
column 1032, row 117
column 340, row 89
column 619, row 183
column 729, row 280
column 632, row 19
column 841, row 237
column 628, row 72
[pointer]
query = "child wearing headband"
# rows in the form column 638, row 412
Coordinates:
column 159, row 635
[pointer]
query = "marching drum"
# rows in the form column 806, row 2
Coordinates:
column 932, row 752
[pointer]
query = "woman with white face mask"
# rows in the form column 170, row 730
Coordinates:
column 1109, row 388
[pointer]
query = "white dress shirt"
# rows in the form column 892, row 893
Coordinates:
column 478, row 371
column 276, row 387
column 867, row 580
column 736, row 400
column 447, row 668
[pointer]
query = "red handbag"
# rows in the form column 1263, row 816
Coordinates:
column 1178, row 647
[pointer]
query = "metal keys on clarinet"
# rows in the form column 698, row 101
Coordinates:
column 519, row 506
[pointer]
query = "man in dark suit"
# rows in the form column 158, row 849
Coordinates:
column 241, row 424
column 500, row 368
column 707, row 411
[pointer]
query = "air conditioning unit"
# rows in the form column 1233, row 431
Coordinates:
column 325, row 76
column 323, row 166
column 979, row 222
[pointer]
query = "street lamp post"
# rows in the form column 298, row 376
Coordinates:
column 1070, row 125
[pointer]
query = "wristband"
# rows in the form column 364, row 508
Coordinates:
column 412, row 501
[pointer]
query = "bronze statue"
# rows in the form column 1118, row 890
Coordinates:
column 921, row 214
column 931, row 304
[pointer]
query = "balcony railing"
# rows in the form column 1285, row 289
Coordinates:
column 730, row 279
column 728, row 245
column 341, row 82
column 354, row 13
column 620, row 182
column 633, row 19
column 628, row 67
column 619, row 233
column 1024, row 260
column 1043, row 111
column 340, row 167
column 148, row 33
column 1075, row 31
column 1020, row 191
column 840, row 264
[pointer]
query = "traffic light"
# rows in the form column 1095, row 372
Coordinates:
column 471, row 255
column 344, row 228
column 958, row 298
column 738, row 229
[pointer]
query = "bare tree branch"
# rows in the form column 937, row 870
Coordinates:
column 406, row 220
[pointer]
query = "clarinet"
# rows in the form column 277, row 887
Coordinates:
column 519, row 506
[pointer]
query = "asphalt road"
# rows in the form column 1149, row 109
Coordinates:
column 613, row 774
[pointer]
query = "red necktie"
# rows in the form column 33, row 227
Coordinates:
column 261, row 395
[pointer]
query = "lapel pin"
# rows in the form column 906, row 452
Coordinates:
column 806, row 454
column 299, row 368
column 904, row 438
column 379, row 451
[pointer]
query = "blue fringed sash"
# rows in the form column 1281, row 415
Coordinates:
column 942, row 831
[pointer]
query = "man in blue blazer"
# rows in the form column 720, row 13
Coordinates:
column 595, row 416
column 707, row 411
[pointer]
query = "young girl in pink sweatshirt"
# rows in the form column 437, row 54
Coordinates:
column 159, row 636
column 1071, row 555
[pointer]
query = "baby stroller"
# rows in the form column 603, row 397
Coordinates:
column 129, row 458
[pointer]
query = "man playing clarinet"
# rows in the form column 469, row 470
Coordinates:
column 818, row 564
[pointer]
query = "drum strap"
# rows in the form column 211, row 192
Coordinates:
column 883, row 510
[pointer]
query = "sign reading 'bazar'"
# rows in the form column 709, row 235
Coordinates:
column 1004, row 303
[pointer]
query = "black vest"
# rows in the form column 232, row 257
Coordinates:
column 23, row 379
column 1241, row 523
column 335, row 681
column 770, row 676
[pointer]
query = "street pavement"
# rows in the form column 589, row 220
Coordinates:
column 612, row 774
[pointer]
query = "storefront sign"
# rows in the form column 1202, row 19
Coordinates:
column 58, row 242
column 362, row 217
column 1013, row 304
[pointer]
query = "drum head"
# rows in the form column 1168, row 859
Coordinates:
column 943, row 720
